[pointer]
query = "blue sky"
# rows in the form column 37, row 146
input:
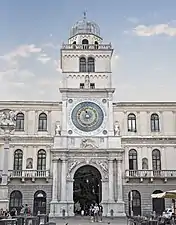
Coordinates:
column 143, row 34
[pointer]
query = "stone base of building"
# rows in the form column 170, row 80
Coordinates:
column 61, row 209
column 116, row 209
column 4, row 202
column 66, row 209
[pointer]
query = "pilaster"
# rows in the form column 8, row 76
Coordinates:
column 119, row 180
column 55, row 180
column 111, row 184
column 63, row 180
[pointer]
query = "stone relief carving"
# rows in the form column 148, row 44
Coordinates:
column 103, row 165
column 7, row 118
column 116, row 128
column 71, row 165
column 58, row 128
column 29, row 163
column 88, row 143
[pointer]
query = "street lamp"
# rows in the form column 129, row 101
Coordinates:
column 7, row 124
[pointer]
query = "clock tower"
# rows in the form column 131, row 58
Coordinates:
column 87, row 135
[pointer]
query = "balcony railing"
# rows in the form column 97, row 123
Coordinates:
column 88, row 47
column 150, row 174
column 25, row 174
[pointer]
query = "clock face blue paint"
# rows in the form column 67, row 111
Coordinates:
column 87, row 116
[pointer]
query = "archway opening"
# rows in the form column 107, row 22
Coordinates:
column 134, row 199
column 39, row 203
column 158, row 203
column 87, row 188
column 16, row 199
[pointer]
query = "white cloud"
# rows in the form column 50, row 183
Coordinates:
column 22, row 51
column 157, row 29
column 51, row 45
column 43, row 58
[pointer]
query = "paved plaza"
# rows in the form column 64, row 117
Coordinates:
column 86, row 221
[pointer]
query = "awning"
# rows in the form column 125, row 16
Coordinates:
column 166, row 194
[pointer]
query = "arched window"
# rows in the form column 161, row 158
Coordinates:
column 134, row 199
column 158, row 203
column 96, row 45
column 16, row 201
column 145, row 164
column 132, row 123
column 19, row 122
column 74, row 45
column 155, row 127
column 18, row 160
column 39, row 202
column 133, row 163
column 156, row 160
column 91, row 64
column 42, row 123
column 82, row 64
column 85, row 44
column 41, row 160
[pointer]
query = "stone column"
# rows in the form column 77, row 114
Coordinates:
column 5, row 161
column 63, row 180
column 111, row 184
column 7, row 124
column 119, row 180
column 55, row 179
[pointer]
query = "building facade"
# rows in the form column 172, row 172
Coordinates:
column 65, row 155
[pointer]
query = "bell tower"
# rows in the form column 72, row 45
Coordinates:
column 85, row 59
column 88, row 136
column 86, row 69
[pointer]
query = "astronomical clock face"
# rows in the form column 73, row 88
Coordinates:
column 87, row 116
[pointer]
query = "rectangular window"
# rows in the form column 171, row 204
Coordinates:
column 92, row 85
column 81, row 85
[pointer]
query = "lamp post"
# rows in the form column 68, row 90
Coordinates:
column 7, row 124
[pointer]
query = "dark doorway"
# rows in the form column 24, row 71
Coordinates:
column 39, row 203
column 87, row 188
column 134, row 199
column 158, row 203
column 16, row 201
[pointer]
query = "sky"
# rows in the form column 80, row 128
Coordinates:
column 143, row 35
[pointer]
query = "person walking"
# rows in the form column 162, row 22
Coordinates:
column 96, row 211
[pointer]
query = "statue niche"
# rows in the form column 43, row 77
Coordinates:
column 29, row 163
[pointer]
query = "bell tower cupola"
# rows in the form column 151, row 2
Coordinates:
column 85, row 59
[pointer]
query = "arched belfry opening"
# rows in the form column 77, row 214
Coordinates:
column 87, row 188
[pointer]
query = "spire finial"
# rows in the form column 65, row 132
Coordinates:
column 84, row 15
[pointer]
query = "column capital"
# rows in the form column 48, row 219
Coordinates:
column 119, row 160
column 111, row 159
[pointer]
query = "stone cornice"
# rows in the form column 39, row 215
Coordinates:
column 144, row 104
column 88, row 90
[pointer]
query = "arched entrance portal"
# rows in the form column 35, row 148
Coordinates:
column 39, row 202
column 87, row 188
column 158, row 203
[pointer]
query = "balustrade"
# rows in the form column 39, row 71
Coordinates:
column 87, row 46
column 29, row 173
column 150, row 173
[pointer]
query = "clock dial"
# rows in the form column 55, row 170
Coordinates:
column 87, row 116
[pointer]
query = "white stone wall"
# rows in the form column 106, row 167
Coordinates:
column 142, row 111
column 155, row 140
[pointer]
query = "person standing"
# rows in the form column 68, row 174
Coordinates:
column 96, row 211
column 100, row 212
